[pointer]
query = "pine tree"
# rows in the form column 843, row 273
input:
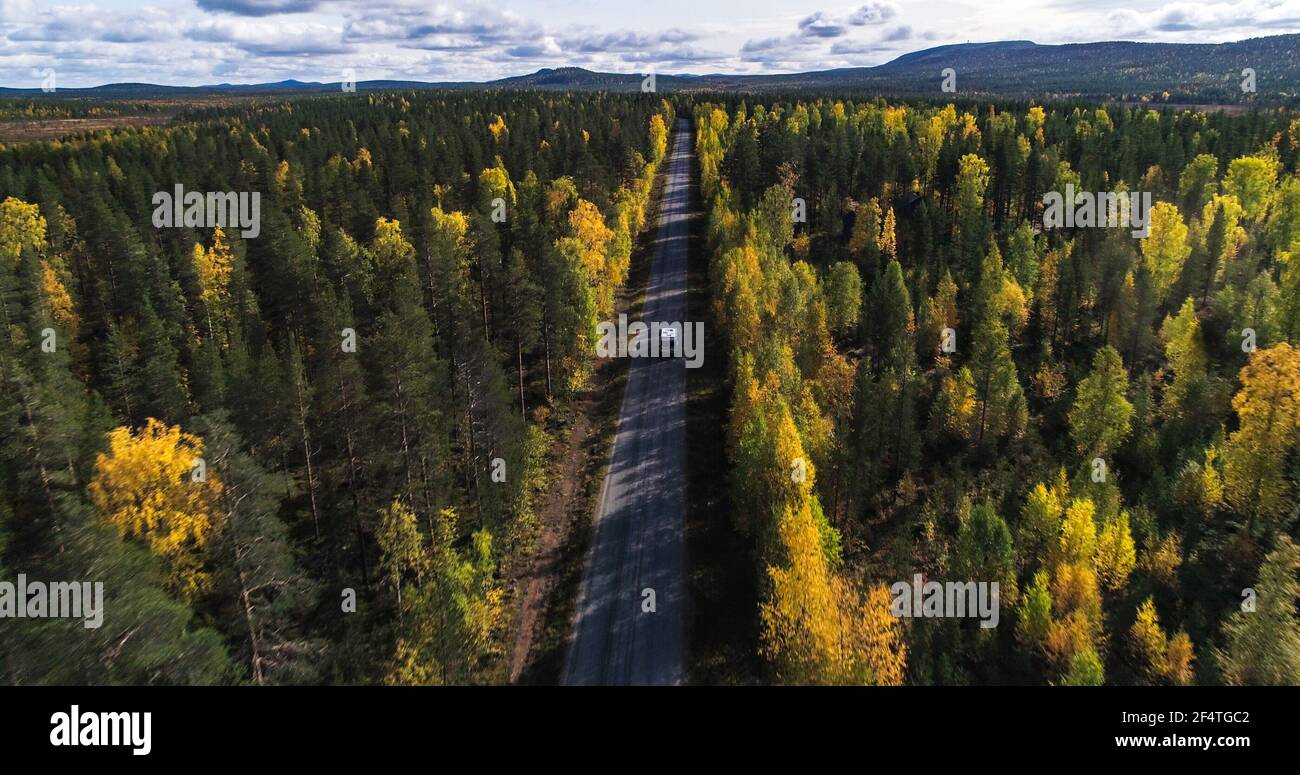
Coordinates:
column 1198, row 182
column 971, row 222
column 864, row 242
column 1102, row 415
column 843, row 297
column 984, row 550
column 1222, row 241
column 891, row 325
column 451, row 607
column 256, row 565
column 1000, row 409
column 1034, row 614
column 1040, row 524
column 412, row 402
column 158, row 374
column 1262, row 647
column 1085, row 670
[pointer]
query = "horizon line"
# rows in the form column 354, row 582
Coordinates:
column 435, row 83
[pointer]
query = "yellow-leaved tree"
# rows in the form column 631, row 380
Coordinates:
column 449, row 603
column 1160, row 657
column 1165, row 248
column 392, row 253
column 1185, row 351
column 21, row 226
column 1064, row 618
column 658, row 138
column 1116, row 555
column 876, row 653
column 586, row 244
column 152, row 484
column 887, row 241
column 55, row 293
column 494, row 183
column 1268, row 412
column 213, row 267
column 817, row 628
column 801, row 618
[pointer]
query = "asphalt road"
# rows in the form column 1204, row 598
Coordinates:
column 639, row 536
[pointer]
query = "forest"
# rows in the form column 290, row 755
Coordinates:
column 925, row 380
column 318, row 456
column 306, row 457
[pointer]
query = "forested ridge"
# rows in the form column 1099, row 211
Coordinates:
column 304, row 457
column 1253, row 71
column 927, row 381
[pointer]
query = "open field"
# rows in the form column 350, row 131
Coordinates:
column 35, row 130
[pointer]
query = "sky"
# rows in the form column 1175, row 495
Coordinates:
column 196, row 42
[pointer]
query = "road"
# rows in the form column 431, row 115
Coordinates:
column 639, row 535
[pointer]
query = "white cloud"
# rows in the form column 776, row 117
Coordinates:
column 875, row 12
column 258, row 7
column 266, row 37
column 209, row 41
column 1259, row 17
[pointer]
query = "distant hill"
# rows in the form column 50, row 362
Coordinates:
column 1021, row 68
column 145, row 90
column 1175, row 72
column 1110, row 69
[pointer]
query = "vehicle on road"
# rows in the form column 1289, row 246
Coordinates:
column 669, row 343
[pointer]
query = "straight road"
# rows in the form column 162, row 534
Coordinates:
column 639, row 536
